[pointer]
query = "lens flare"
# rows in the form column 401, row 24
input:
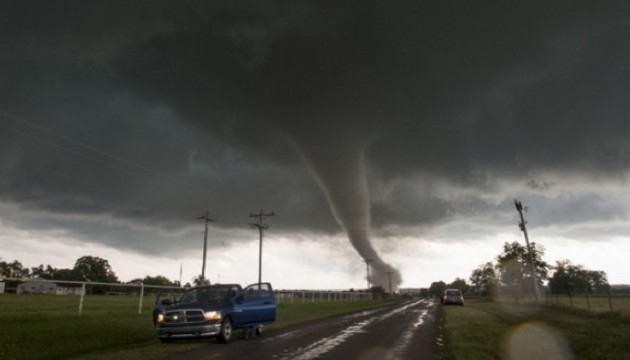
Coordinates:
column 535, row 340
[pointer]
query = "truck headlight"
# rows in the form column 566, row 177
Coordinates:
column 212, row 315
column 160, row 318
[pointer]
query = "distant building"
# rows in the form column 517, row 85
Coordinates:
column 1, row 287
column 49, row 287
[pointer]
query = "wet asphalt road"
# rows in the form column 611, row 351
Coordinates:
column 406, row 331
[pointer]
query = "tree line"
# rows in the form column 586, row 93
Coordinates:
column 86, row 269
column 511, row 273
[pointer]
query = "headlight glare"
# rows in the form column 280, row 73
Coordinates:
column 212, row 315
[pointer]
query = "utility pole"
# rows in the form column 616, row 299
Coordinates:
column 181, row 267
column 261, row 227
column 367, row 269
column 207, row 219
column 521, row 224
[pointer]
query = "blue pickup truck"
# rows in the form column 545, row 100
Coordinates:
column 214, row 311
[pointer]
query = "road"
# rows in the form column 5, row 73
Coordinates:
column 402, row 332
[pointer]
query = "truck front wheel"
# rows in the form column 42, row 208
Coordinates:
column 225, row 335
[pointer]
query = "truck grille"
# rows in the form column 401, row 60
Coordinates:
column 183, row 316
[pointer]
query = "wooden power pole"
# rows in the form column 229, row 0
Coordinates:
column 519, row 208
column 261, row 227
column 367, row 270
column 207, row 219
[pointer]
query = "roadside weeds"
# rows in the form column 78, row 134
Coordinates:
column 494, row 330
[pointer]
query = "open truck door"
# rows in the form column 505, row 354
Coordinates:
column 255, row 305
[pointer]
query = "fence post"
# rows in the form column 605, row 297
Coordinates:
column 141, row 298
column 81, row 300
column 610, row 301
column 588, row 301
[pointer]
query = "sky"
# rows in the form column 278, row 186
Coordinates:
column 399, row 133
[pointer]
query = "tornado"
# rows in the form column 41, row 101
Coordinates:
column 338, row 165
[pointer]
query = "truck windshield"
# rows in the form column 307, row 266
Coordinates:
column 206, row 294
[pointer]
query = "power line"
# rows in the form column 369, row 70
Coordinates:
column 70, row 140
column 90, row 149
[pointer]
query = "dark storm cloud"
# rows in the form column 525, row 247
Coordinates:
column 233, row 107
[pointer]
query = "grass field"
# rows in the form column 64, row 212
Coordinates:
column 489, row 330
column 599, row 303
column 49, row 327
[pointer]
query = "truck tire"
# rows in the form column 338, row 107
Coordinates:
column 225, row 335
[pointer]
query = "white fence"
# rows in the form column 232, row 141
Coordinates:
column 147, row 293
column 318, row 296
column 80, row 288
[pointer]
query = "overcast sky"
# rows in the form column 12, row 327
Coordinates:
column 395, row 132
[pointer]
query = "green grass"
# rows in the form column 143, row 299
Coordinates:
column 494, row 330
column 49, row 327
column 599, row 303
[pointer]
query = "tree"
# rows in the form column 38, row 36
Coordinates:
column 14, row 269
column 484, row 279
column 66, row 274
column 94, row 269
column 514, row 269
column 158, row 280
column 459, row 284
column 42, row 272
column 4, row 269
column 197, row 280
column 378, row 292
column 437, row 288
column 599, row 281
column 569, row 278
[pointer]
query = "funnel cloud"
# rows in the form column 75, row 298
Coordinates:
column 339, row 167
